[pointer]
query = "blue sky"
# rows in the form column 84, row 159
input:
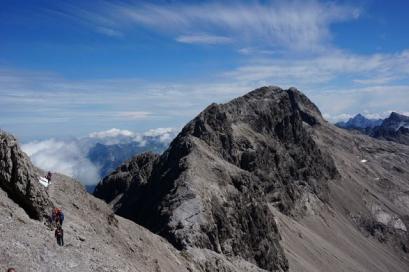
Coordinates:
column 69, row 68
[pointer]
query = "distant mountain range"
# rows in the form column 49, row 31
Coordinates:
column 360, row 122
column 108, row 157
column 394, row 128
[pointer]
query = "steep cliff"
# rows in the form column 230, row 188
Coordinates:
column 264, row 180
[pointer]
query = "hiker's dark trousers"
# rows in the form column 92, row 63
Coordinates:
column 60, row 241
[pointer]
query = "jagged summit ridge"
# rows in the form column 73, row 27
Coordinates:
column 211, row 189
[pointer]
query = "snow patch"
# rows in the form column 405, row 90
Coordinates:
column 43, row 181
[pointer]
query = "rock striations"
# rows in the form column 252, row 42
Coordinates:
column 19, row 179
column 240, row 175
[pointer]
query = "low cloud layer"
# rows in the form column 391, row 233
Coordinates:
column 64, row 157
column 69, row 157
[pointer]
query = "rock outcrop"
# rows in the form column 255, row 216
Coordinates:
column 20, row 179
column 212, row 187
column 126, row 180
column 95, row 239
column 264, row 179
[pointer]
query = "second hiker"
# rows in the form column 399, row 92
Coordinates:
column 59, row 235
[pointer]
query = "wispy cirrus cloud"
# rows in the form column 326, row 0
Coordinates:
column 203, row 39
column 295, row 25
column 362, row 69
column 50, row 101
column 134, row 114
column 285, row 43
column 110, row 32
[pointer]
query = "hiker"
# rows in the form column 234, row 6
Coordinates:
column 59, row 234
column 57, row 216
column 48, row 177
column 60, row 216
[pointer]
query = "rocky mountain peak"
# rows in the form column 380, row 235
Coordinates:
column 396, row 121
column 19, row 178
column 211, row 189
column 360, row 122
column 397, row 116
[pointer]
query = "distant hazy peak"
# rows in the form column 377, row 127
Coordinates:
column 359, row 121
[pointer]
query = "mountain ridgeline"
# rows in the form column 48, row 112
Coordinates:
column 261, row 183
column 237, row 169
column 395, row 128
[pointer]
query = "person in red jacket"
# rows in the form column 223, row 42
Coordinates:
column 59, row 235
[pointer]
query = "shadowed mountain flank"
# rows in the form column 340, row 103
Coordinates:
column 212, row 188
column 264, row 180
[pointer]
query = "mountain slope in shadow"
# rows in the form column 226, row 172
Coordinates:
column 241, row 177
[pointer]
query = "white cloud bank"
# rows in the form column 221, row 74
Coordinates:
column 69, row 157
column 64, row 157
column 111, row 133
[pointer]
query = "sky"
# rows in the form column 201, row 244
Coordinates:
column 71, row 68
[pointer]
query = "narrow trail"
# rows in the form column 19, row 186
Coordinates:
column 51, row 190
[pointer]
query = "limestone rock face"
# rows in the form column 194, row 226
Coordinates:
column 20, row 179
column 126, row 179
column 212, row 188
